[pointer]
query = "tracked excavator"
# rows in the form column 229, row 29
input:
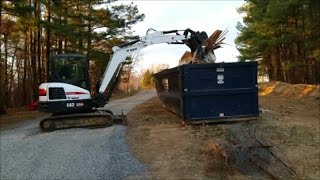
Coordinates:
column 66, row 95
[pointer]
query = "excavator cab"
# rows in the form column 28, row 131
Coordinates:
column 70, row 69
column 68, row 88
column 66, row 96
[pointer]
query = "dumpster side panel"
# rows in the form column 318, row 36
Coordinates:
column 219, row 104
column 210, row 91
column 222, row 90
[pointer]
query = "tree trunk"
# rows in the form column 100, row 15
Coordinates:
column 2, row 92
column 11, row 103
column 59, row 45
column 48, row 43
column 43, row 64
column 278, row 64
column 65, row 44
column 59, row 36
column 24, row 82
column 270, row 68
column 283, row 62
column 38, row 41
column 34, row 70
column 5, row 39
column 274, row 66
column 19, row 89
column 33, row 66
column 89, row 40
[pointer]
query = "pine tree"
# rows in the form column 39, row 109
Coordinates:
column 281, row 35
column 148, row 81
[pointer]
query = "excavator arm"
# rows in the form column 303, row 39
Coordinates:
column 192, row 39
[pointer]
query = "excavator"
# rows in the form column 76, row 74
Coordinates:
column 67, row 97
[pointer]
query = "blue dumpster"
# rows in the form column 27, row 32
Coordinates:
column 210, row 92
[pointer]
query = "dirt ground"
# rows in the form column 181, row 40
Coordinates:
column 290, row 124
column 14, row 117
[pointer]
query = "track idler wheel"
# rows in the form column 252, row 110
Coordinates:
column 47, row 125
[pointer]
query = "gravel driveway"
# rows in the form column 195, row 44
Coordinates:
column 101, row 153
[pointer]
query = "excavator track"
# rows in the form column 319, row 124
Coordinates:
column 96, row 119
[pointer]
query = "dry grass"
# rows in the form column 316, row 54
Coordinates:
column 289, row 90
column 16, row 116
column 158, row 138
column 173, row 151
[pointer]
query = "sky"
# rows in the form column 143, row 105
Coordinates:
column 203, row 15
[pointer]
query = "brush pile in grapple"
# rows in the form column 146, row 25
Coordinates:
column 212, row 43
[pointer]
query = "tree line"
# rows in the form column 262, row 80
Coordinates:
column 284, row 37
column 32, row 30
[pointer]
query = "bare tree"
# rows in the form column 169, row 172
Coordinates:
column 128, row 69
column 158, row 67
